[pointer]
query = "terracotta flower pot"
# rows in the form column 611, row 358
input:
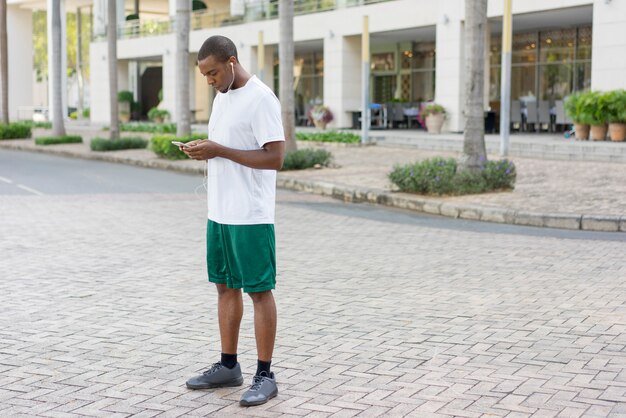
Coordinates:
column 319, row 124
column 598, row 132
column 434, row 122
column 582, row 131
column 617, row 131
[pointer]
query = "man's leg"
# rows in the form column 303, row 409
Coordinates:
column 229, row 313
column 264, row 383
column 226, row 372
column 264, row 324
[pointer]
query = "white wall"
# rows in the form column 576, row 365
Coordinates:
column 608, row 59
column 342, row 78
column 20, row 59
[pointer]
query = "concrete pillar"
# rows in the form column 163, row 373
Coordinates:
column 449, row 80
column 99, row 18
column 608, row 58
column 63, row 57
column 20, row 59
column 342, row 77
column 99, row 68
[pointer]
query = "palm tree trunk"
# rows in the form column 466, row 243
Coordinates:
column 182, row 67
column 4, row 64
column 286, row 58
column 474, row 154
column 58, row 124
column 112, row 43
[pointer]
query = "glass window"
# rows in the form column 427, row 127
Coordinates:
column 557, row 45
column 383, row 62
column 583, row 43
column 423, row 86
column 384, row 88
column 523, row 82
column 423, row 56
column 524, row 48
column 555, row 81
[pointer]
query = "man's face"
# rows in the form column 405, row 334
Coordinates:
column 219, row 75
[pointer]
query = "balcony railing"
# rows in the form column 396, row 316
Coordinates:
column 255, row 11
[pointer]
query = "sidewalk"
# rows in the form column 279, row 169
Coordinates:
column 588, row 195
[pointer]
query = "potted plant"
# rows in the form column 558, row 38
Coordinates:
column 578, row 108
column 320, row 115
column 158, row 115
column 434, row 115
column 597, row 103
column 616, row 114
column 125, row 99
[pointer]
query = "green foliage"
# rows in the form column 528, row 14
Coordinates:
column 156, row 113
column 154, row 128
column 616, row 106
column 125, row 96
column 306, row 158
column 17, row 130
column 53, row 140
column 160, row 95
column 87, row 113
column 331, row 136
column 574, row 108
column 439, row 176
column 432, row 109
column 105, row 144
column 163, row 147
column 74, row 115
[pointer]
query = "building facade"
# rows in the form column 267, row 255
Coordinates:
column 416, row 52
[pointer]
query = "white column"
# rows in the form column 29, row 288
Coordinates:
column 342, row 77
column 20, row 59
column 449, row 79
column 169, row 81
column 608, row 57
column 99, row 68
column 63, row 57
column 99, row 17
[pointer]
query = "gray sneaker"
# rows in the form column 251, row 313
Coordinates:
column 262, row 390
column 218, row 376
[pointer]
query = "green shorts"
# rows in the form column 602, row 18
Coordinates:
column 241, row 256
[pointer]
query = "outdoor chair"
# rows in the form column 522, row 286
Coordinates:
column 516, row 114
column 544, row 115
column 532, row 118
column 561, row 117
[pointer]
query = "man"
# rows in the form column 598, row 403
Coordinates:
column 244, row 149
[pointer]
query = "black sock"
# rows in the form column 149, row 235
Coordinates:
column 229, row 360
column 263, row 366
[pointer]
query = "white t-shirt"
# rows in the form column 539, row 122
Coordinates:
column 246, row 119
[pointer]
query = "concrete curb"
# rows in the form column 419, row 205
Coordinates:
column 601, row 223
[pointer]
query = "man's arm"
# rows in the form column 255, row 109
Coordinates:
column 270, row 157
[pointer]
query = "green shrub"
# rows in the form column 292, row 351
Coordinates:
column 332, row 136
column 105, row 144
column 17, row 130
column 433, row 109
column 148, row 127
column 74, row 115
column 616, row 106
column 439, row 176
column 156, row 113
column 125, row 96
column 86, row 113
column 306, row 158
column 578, row 108
column 53, row 140
column 163, row 147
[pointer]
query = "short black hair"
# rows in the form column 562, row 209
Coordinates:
column 220, row 47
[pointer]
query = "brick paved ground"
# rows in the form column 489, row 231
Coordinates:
column 105, row 311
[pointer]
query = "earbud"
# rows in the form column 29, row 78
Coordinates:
column 232, row 65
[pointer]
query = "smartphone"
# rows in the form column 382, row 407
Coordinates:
column 180, row 144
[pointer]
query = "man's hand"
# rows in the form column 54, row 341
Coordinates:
column 203, row 149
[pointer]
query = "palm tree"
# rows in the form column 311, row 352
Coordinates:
column 182, row 67
column 4, row 63
column 286, row 58
column 114, row 132
column 474, row 153
column 58, row 124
